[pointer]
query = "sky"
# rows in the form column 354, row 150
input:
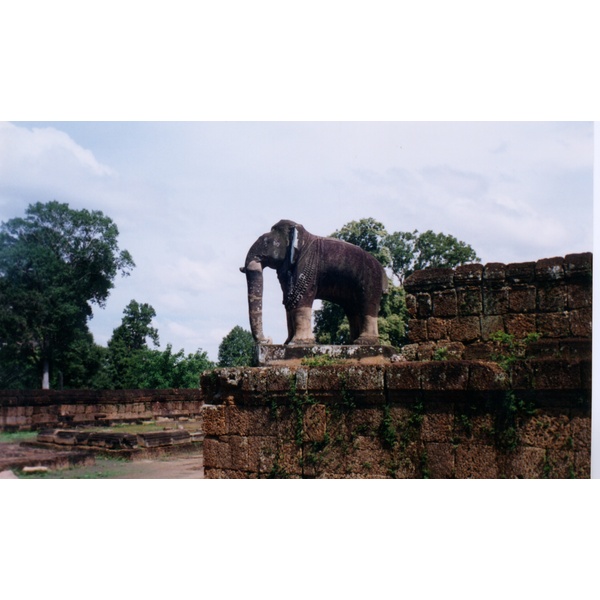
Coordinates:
column 190, row 198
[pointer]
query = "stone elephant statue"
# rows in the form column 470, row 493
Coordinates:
column 311, row 267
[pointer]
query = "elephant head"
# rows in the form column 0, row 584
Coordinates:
column 274, row 249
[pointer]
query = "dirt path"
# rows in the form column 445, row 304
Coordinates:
column 190, row 467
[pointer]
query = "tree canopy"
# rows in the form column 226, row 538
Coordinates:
column 55, row 264
column 237, row 348
column 132, row 364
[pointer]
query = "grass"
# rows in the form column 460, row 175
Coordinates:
column 105, row 468
column 17, row 437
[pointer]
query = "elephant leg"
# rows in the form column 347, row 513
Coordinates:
column 369, row 334
column 354, row 321
column 290, row 326
column 301, row 321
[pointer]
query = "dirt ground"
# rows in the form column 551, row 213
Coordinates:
column 189, row 466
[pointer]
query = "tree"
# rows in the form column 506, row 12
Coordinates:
column 155, row 369
column 413, row 251
column 55, row 264
column 126, row 343
column 237, row 348
column 132, row 364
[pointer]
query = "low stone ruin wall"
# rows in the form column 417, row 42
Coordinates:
column 458, row 310
column 41, row 409
column 439, row 419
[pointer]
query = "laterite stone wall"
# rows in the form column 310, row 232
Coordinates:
column 441, row 419
column 39, row 409
column 459, row 309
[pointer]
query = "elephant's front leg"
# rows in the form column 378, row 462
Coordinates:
column 301, row 323
column 369, row 334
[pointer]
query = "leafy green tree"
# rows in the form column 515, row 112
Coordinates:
column 155, row 369
column 132, row 364
column 55, row 264
column 135, row 328
column 413, row 251
column 128, row 340
column 237, row 348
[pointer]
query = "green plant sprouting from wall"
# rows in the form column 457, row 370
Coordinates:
column 509, row 349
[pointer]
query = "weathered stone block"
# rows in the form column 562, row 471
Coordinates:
column 239, row 450
column 444, row 304
column 262, row 454
column 469, row 301
column 464, row 329
column 424, row 306
column 440, row 460
column 520, row 272
column 580, row 322
column 445, row 375
column 495, row 301
column 494, row 275
column 491, row 325
column 550, row 269
column 417, row 330
column 556, row 374
column 581, row 432
column 214, row 420
column 548, row 430
column 582, row 464
column 579, row 295
column 487, row 377
column 437, row 424
column 553, row 325
column 367, row 458
column 250, row 420
column 579, row 266
column 475, row 461
column 217, row 454
column 525, row 463
column 315, row 423
column 468, row 274
column 363, row 421
column 437, row 329
column 552, row 298
column 522, row 299
column 404, row 377
column 411, row 305
column 520, row 325
column 429, row 279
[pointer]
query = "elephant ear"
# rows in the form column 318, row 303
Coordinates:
column 294, row 245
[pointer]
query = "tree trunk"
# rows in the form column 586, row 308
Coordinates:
column 46, row 374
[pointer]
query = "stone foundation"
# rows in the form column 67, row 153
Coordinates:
column 442, row 419
column 42, row 409
column 276, row 354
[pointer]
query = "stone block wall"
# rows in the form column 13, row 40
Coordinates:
column 39, row 409
column 442, row 419
column 460, row 309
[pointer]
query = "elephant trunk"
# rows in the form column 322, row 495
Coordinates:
column 254, row 279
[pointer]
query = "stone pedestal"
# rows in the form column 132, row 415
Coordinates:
column 278, row 354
